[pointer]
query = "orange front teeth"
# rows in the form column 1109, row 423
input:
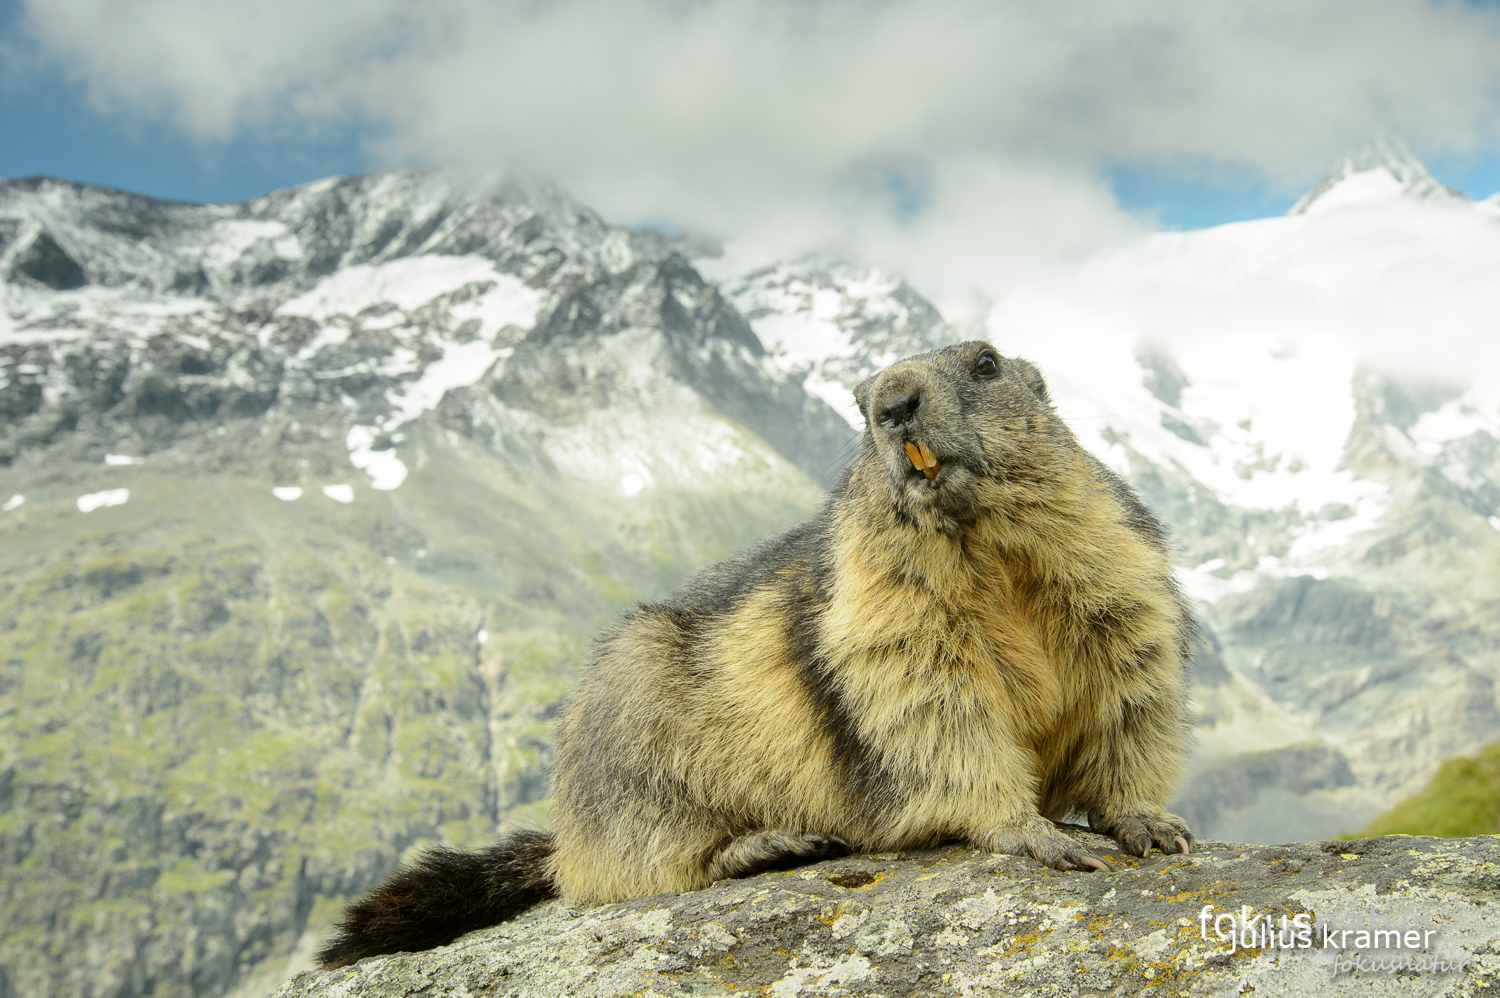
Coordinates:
column 922, row 459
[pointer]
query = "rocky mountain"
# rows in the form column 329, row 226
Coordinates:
column 833, row 323
column 314, row 502
column 316, row 499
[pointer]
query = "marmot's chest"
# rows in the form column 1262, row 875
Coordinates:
column 979, row 669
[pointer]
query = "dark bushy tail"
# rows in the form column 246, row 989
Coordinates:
column 443, row 895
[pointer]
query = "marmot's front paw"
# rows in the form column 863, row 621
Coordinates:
column 1136, row 833
column 1039, row 838
column 773, row 849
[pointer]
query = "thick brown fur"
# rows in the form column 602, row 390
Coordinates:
column 965, row 654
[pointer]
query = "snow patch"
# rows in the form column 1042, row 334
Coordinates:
column 1319, row 536
column 97, row 500
column 60, row 334
column 1357, row 188
column 1205, row 585
column 461, row 365
column 120, row 459
column 1463, row 417
column 17, row 501
column 801, row 341
column 330, row 335
column 414, row 281
column 386, row 470
column 287, row 493
column 233, row 238
column 339, row 493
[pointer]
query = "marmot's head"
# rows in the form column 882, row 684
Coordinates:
column 962, row 431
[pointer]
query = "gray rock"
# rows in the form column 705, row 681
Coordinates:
column 954, row 921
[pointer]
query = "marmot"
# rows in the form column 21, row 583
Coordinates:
column 979, row 632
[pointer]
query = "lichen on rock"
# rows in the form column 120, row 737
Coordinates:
column 954, row 921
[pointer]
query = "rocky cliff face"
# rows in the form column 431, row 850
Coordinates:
column 953, row 922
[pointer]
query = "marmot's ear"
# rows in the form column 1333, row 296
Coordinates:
column 1032, row 379
column 862, row 392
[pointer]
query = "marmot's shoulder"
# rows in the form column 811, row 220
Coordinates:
column 1137, row 515
column 800, row 552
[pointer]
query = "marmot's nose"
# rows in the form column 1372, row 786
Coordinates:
column 900, row 413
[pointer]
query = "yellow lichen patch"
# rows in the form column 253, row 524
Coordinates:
column 1170, row 969
column 875, row 879
column 1017, row 944
column 1217, row 889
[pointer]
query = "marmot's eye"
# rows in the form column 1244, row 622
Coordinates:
column 986, row 366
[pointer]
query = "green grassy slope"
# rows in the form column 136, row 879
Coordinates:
column 1462, row 799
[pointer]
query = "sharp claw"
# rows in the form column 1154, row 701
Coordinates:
column 1094, row 863
column 1183, row 845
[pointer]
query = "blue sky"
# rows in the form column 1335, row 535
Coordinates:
column 51, row 125
column 49, row 130
column 1176, row 201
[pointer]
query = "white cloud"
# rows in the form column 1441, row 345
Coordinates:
column 213, row 67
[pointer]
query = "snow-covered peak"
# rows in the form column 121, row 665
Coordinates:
column 356, row 305
column 1381, row 168
column 1239, row 368
column 836, row 322
column 57, row 236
